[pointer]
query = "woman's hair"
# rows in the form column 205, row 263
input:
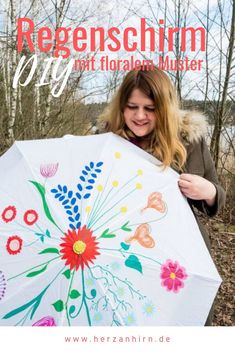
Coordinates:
column 164, row 141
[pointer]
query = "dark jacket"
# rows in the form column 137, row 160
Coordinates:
column 199, row 162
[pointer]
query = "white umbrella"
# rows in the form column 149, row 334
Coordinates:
column 94, row 232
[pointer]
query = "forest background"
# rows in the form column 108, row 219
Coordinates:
column 31, row 112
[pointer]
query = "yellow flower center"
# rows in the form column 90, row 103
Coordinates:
column 115, row 183
column 123, row 209
column 172, row 275
column 79, row 247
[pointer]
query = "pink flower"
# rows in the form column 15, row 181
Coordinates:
column 49, row 170
column 172, row 275
column 45, row 321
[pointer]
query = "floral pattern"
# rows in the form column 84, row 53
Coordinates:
column 45, row 321
column 14, row 245
column 2, row 285
column 49, row 170
column 75, row 251
column 173, row 276
column 9, row 213
column 30, row 217
column 79, row 248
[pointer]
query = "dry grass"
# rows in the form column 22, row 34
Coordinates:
column 223, row 252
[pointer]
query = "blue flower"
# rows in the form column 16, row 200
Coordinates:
column 130, row 320
column 149, row 309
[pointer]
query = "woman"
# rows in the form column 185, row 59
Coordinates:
column 146, row 112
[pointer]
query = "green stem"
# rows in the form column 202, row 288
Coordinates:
column 116, row 203
column 66, row 303
column 44, row 263
column 132, row 253
column 84, row 299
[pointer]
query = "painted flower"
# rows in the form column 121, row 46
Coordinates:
column 149, row 309
column 97, row 317
column 45, row 321
column 130, row 320
column 155, row 201
column 142, row 236
column 30, row 217
column 9, row 213
column 79, row 248
column 14, row 245
column 3, row 284
column 173, row 276
column 49, row 170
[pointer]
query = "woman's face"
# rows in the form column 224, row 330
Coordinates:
column 139, row 113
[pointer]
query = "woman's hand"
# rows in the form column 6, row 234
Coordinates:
column 197, row 188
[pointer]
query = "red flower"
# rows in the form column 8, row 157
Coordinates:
column 14, row 245
column 173, row 275
column 30, row 217
column 9, row 213
column 79, row 248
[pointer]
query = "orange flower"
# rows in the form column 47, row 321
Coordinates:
column 142, row 236
column 79, row 248
column 155, row 201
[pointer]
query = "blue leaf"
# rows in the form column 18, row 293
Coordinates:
column 77, row 217
column 99, row 164
column 82, row 178
column 73, row 201
column 67, row 207
column 134, row 262
column 84, row 172
column 69, row 212
column 65, row 202
column 70, row 194
column 75, row 209
column 125, row 246
column 98, row 170
column 65, row 189
column 54, row 191
column 61, row 198
column 89, row 187
column 91, row 165
column 71, row 226
column 57, row 195
column 71, row 219
column 87, row 168
column 78, row 195
column 78, row 225
column 60, row 187
column 86, row 196
column 79, row 186
column 91, row 181
column 93, row 175
column 93, row 293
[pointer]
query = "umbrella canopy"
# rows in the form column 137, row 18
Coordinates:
column 94, row 232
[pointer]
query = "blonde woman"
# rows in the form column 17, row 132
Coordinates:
column 146, row 112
